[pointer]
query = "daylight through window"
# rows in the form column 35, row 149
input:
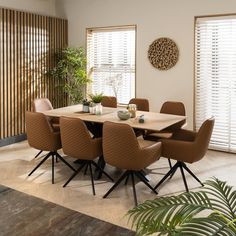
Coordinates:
column 111, row 61
column 215, row 77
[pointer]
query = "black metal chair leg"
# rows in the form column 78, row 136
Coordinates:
column 184, row 179
column 134, row 190
column 56, row 159
column 85, row 170
column 74, row 174
column 52, row 168
column 40, row 163
column 38, row 153
column 127, row 179
column 97, row 166
column 101, row 163
column 167, row 175
column 191, row 173
column 145, row 176
column 63, row 160
column 145, row 181
column 172, row 174
column 169, row 161
column 91, row 175
column 117, row 183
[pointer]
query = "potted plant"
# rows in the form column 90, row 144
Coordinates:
column 70, row 70
column 86, row 105
column 210, row 211
column 96, row 98
column 96, row 107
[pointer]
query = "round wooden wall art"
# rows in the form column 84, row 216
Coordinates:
column 163, row 53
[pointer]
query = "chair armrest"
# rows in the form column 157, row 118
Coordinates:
column 96, row 146
column 185, row 135
column 150, row 154
column 178, row 150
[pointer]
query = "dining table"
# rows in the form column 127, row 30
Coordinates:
column 153, row 121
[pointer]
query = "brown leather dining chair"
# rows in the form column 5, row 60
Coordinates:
column 41, row 105
column 141, row 103
column 78, row 143
column 173, row 108
column 187, row 147
column 41, row 136
column 109, row 101
column 122, row 149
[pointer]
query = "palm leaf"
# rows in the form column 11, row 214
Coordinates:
column 179, row 215
column 222, row 197
column 212, row 225
column 166, row 213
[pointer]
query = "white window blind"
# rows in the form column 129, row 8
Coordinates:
column 111, row 61
column 215, row 78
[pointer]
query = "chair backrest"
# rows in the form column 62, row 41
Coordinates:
column 40, row 133
column 141, row 103
column 41, row 104
column 121, row 148
column 120, row 145
column 189, row 146
column 76, row 140
column 109, row 101
column 174, row 108
column 202, row 139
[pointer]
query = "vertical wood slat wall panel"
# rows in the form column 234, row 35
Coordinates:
column 27, row 45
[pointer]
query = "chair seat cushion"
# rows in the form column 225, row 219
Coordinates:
column 161, row 135
column 144, row 143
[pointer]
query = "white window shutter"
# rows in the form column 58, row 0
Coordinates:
column 215, row 78
column 111, row 61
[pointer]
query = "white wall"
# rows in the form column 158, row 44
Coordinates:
column 44, row 7
column 154, row 19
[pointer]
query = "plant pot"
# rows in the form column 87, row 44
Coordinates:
column 85, row 108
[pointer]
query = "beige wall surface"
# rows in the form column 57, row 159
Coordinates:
column 44, row 7
column 154, row 19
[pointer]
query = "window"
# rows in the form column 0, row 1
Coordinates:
column 215, row 78
column 111, row 61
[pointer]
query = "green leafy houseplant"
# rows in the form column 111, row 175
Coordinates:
column 96, row 98
column 70, row 68
column 210, row 211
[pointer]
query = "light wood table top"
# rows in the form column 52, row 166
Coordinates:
column 152, row 120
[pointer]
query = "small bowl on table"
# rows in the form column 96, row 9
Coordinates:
column 123, row 114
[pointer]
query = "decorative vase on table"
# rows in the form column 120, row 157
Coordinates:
column 132, row 108
column 92, row 108
column 98, row 109
column 96, row 99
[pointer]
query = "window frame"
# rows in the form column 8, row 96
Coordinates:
column 196, row 18
column 111, row 28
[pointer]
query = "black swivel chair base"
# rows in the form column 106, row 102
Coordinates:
column 43, row 155
column 126, row 175
column 88, row 164
column 38, row 154
column 171, row 172
column 53, row 154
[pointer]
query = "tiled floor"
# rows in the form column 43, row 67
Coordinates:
column 17, row 160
